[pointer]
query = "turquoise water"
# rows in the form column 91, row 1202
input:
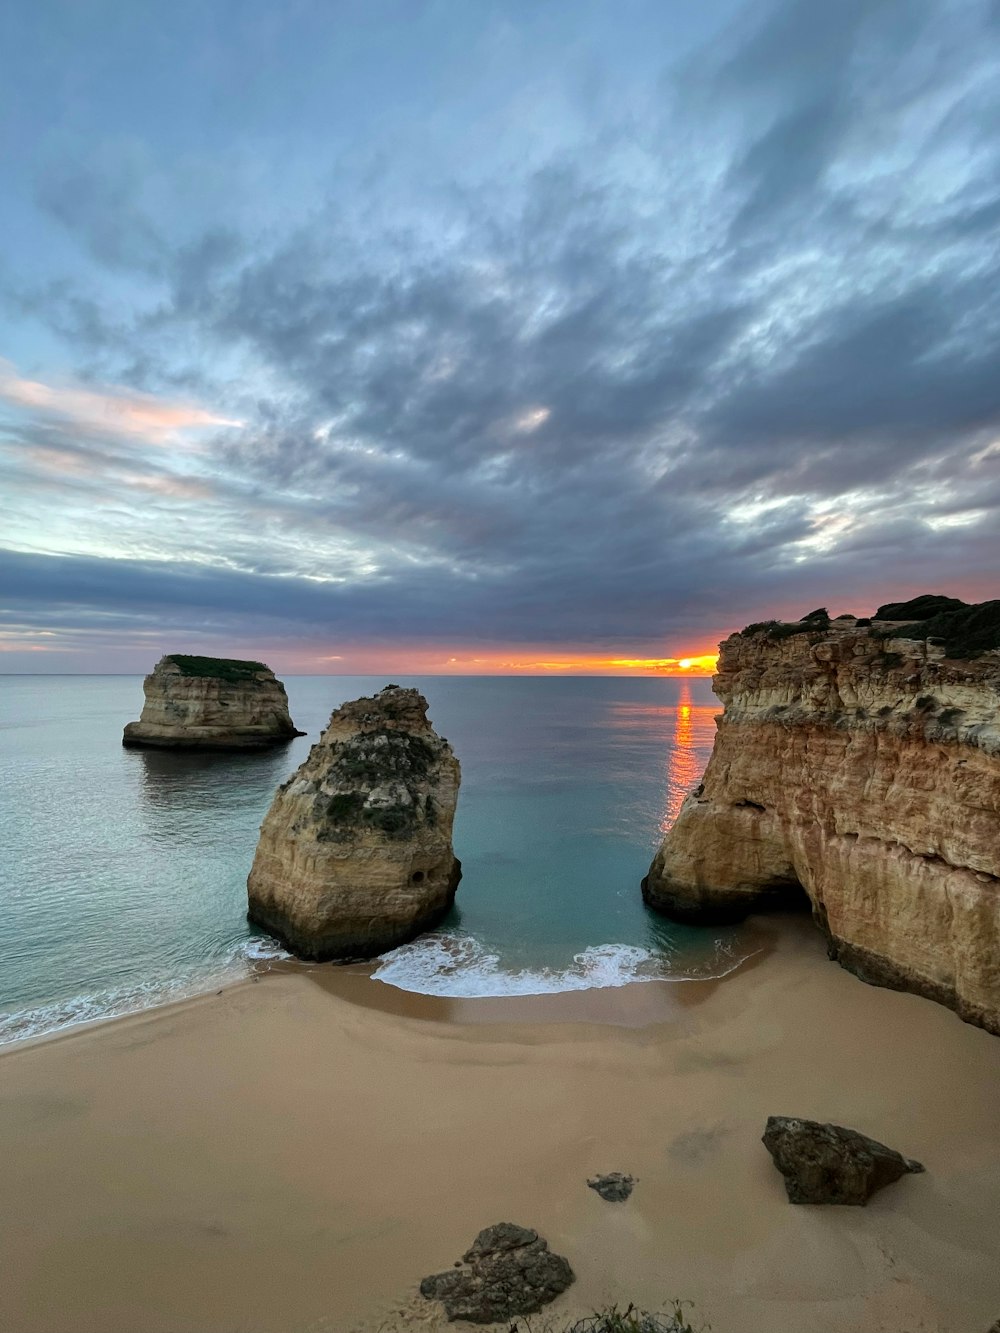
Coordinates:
column 124, row 871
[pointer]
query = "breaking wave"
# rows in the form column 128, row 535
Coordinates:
column 459, row 967
column 455, row 966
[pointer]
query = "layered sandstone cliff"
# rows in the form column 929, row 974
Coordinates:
column 355, row 854
column 863, row 770
column 211, row 703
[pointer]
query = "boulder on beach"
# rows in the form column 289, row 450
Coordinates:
column 507, row 1271
column 211, row 703
column 825, row 1163
column 355, row 854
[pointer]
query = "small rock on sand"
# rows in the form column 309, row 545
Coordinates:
column 614, row 1187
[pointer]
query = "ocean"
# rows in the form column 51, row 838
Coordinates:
column 123, row 878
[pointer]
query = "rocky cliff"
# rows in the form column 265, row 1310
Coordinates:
column 355, row 854
column 211, row 703
column 857, row 764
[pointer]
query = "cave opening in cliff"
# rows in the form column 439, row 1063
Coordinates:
column 786, row 895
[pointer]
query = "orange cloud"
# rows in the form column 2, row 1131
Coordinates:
column 176, row 488
column 58, row 460
column 117, row 410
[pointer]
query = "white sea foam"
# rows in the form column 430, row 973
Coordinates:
column 260, row 949
column 458, row 966
column 116, row 1002
column 45, row 1019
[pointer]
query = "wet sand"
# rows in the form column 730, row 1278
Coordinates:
column 295, row 1153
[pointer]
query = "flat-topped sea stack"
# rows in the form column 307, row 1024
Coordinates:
column 857, row 762
column 211, row 703
column 355, row 854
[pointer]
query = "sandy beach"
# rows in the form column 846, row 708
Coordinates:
column 294, row 1154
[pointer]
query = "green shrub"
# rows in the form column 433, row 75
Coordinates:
column 613, row 1320
column 919, row 608
column 372, row 757
column 790, row 628
column 391, row 818
column 345, row 806
column 784, row 629
column 220, row 668
column 965, row 632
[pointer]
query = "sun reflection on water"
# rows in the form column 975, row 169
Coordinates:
column 694, row 732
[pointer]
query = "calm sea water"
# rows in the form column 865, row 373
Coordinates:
column 123, row 879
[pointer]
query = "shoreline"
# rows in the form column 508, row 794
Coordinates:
column 643, row 1002
column 185, row 994
column 514, row 1007
column 285, row 1157
column 352, row 984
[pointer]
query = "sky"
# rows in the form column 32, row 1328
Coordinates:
column 490, row 335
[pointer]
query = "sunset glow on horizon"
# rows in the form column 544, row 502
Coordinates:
column 524, row 661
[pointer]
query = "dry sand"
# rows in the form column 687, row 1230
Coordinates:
column 296, row 1154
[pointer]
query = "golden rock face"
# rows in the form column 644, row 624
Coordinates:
column 864, row 774
column 355, row 854
column 242, row 707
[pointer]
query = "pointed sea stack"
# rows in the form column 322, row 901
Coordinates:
column 856, row 770
column 355, row 854
column 211, row 703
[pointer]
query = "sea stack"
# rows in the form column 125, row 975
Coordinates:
column 355, row 854
column 857, row 767
column 211, row 703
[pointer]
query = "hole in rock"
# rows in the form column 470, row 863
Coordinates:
column 417, row 877
column 788, row 895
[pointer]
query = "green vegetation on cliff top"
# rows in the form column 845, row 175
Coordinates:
column 926, row 606
column 784, row 629
column 219, row 668
column 964, row 630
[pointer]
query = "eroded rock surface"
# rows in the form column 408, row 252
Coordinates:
column 860, row 773
column 614, row 1187
column 829, row 1164
column 355, row 854
column 211, row 703
column 507, row 1271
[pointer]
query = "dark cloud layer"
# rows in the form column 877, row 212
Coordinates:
column 735, row 353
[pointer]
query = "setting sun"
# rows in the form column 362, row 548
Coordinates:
column 701, row 665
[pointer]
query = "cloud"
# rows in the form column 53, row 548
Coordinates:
column 113, row 410
column 696, row 366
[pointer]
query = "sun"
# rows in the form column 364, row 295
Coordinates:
column 686, row 663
